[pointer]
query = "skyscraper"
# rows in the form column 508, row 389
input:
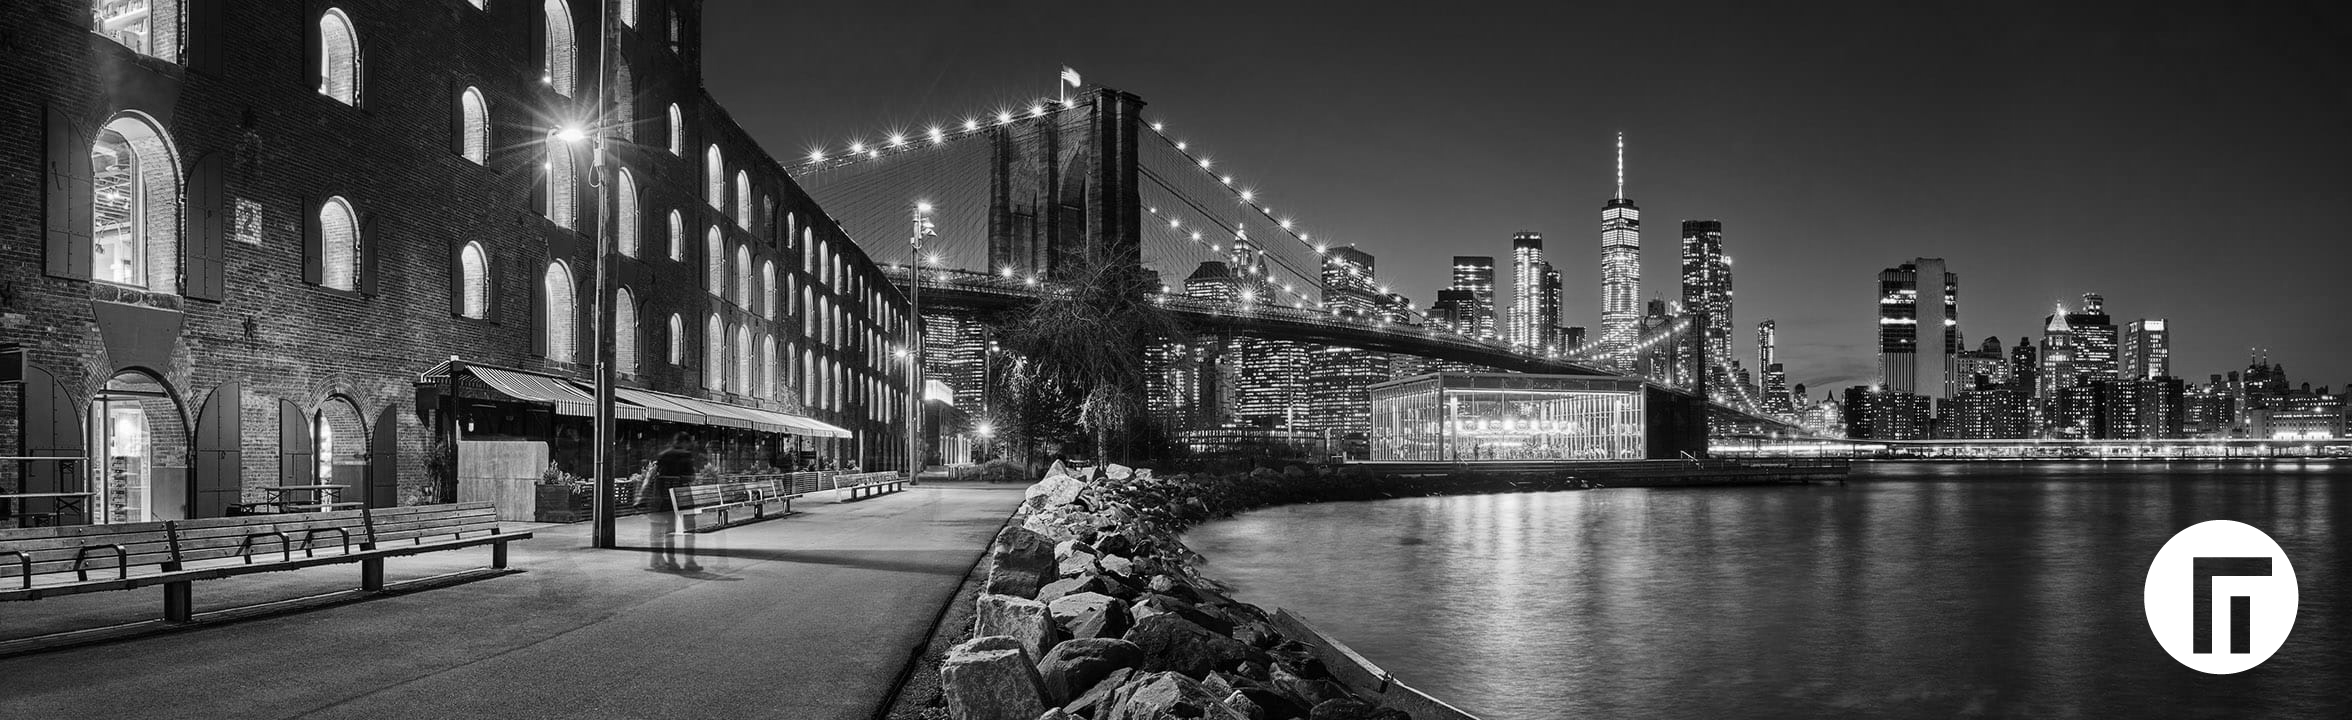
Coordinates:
column 1475, row 274
column 1918, row 331
column 1348, row 287
column 1214, row 367
column 1621, row 309
column 1706, row 292
column 1456, row 311
column 2147, row 349
column 1776, row 391
column 1339, row 403
column 1547, row 313
column 1527, row 271
column 2095, row 341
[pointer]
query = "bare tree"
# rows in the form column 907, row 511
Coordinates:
column 1082, row 347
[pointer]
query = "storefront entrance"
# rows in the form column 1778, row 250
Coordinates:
column 138, row 469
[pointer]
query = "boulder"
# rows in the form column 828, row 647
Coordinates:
column 1166, row 695
column 1242, row 704
column 1113, row 543
column 1056, row 714
column 1154, row 604
column 990, row 684
column 1116, row 565
column 1070, row 586
column 1068, row 608
column 1105, row 692
column 1019, row 618
column 1309, row 692
column 1066, row 549
column 1274, row 703
column 1173, row 643
column 1057, row 490
column 1118, row 472
column 1076, row 565
column 1021, row 561
column 1143, row 475
column 1353, row 709
column 1074, row 666
column 1108, row 621
column 1057, row 470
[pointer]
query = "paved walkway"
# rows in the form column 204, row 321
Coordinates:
column 810, row 616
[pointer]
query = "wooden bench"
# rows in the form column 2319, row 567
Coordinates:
column 174, row 554
column 721, row 499
column 866, row 485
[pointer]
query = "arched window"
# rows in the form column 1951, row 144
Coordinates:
column 475, row 124
column 134, row 205
column 560, row 64
column 767, row 306
column 338, row 57
column 561, row 340
column 473, row 267
column 624, row 98
column 147, row 28
column 767, row 366
column 677, row 132
column 743, row 199
column 715, row 255
column 675, row 30
column 677, row 340
column 745, row 368
column 625, row 331
column 715, row 175
column 677, row 236
column 563, row 179
column 743, row 294
column 628, row 226
column 629, row 13
column 714, row 354
column 338, row 244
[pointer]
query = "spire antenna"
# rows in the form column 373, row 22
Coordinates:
column 1620, row 166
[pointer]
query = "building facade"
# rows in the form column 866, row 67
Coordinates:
column 260, row 225
column 1621, row 302
column 1919, row 328
column 2147, row 349
column 1475, row 275
column 1706, row 294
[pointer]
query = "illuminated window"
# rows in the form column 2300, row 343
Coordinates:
column 677, row 132
column 743, row 294
column 134, row 205
column 715, row 260
column 767, row 366
column 714, row 354
column 338, row 244
column 474, row 281
column 677, row 340
column 145, row 26
column 476, row 126
column 625, row 332
column 715, row 176
column 743, row 199
column 562, row 181
column 767, row 306
column 629, row 13
column 628, row 230
column 745, row 368
column 338, row 58
column 677, row 236
column 561, row 340
column 559, row 65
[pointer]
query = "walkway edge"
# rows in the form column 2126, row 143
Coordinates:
column 899, row 703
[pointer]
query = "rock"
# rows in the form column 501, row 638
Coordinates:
column 993, row 684
column 1056, row 489
column 1353, row 709
column 1166, row 695
column 1143, row 475
column 1068, row 608
column 1021, row 561
column 1114, row 543
column 1176, row 644
column 1055, row 714
column 1076, row 565
column 1294, row 472
column 1020, row 618
column 1069, row 586
column 1104, row 693
column 1309, row 692
column 1117, row 565
column 990, row 642
column 1109, row 621
column 1242, row 704
column 1154, row 604
column 1168, row 585
column 1217, row 685
column 1057, row 470
column 1074, row 666
column 1087, row 473
column 1065, row 549
column 1118, row 472
column 1274, row 703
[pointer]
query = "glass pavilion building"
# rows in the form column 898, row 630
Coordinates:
column 1506, row 416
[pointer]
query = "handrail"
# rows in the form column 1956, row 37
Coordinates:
column 246, row 545
column 122, row 562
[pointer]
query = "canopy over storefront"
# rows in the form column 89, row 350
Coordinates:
column 567, row 399
column 572, row 397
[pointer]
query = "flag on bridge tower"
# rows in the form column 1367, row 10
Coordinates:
column 1070, row 82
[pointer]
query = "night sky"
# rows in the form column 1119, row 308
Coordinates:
column 2190, row 162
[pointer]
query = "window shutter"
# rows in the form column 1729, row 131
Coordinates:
column 539, row 177
column 369, row 250
column 219, row 452
column 314, row 255
column 457, row 278
column 297, row 456
column 457, row 116
column 495, row 265
column 66, row 197
column 312, row 54
column 205, row 35
column 537, row 285
column 207, row 224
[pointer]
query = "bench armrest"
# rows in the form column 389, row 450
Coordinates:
column 122, row 562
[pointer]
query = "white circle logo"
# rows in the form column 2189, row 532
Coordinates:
column 2221, row 597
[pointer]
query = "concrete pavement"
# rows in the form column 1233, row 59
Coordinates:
column 810, row 616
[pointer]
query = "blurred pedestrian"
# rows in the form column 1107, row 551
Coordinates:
column 672, row 551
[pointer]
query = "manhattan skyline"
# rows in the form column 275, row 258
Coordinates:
column 2186, row 163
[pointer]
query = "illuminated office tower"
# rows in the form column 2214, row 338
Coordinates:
column 1475, row 274
column 1776, row 391
column 2095, row 342
column 1339, row 378
column 1706, row 292
column 2055, row 375
column 1525, row 331
column 1621, row 310
column 2147, row 349
column 1919, row 328
column 1214, row 362
column 1348, row 287
column 1547, row 313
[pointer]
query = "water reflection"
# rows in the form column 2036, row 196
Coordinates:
column 1916, row 590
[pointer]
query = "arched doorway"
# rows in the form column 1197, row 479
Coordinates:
column 139, row 453
column 341, row 439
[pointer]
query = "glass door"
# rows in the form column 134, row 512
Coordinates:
column 122, row 475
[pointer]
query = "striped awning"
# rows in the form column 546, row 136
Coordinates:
column 661, row 407
column 799, row 425
column 568, row 400
column 732, row 415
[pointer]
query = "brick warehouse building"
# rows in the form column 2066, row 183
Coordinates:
column 239, row 242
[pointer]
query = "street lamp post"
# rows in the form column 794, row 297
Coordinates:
column 601, row 508
column 921, row 227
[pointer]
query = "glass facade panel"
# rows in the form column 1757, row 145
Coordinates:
column 1508, row 417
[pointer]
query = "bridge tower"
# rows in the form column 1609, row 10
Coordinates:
column 1067, row 187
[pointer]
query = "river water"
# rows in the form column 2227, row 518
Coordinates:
column 1913, row 590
